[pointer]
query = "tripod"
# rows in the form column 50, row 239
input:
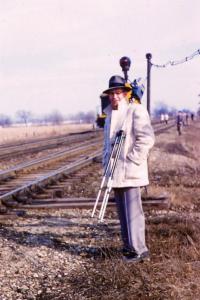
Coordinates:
column 107, row 180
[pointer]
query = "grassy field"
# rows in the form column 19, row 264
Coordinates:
column 22, row 133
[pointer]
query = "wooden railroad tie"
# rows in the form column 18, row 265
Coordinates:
column 160, row 202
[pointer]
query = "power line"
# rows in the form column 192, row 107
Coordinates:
column 177, row 62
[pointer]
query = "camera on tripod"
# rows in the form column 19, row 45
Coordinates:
column 136, row 92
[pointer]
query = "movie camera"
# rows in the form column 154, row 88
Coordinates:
column 136, row 92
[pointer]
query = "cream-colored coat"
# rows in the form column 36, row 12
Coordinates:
column 131, row 169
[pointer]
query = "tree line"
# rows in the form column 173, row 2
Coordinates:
column 55, row 118
column 162, row 108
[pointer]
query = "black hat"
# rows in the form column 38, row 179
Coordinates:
column 117, row 82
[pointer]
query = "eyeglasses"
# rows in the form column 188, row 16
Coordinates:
column 116, row 92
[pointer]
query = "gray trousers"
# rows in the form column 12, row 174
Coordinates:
column 131, row 216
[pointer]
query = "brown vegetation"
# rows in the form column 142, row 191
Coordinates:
column 12, row 134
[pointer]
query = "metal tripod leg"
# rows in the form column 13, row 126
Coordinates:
column 110, row 179
column 105, row 176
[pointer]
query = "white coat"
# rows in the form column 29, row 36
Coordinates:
column 131, row 169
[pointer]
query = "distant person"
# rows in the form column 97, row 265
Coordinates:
column 183, row 118
column 192, row 116
column 94, row 126
column 179, row 122
column 166, row 118
column 162, row 118
column 187, row 119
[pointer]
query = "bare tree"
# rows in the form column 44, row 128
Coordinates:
column 80, row 117
column 24, row 116
column 5, row 121
column 160, row 108
column 90, row 117
column 84, row 117
column 55, row 117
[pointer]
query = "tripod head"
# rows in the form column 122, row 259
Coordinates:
column 137, row 86
column 125, row 63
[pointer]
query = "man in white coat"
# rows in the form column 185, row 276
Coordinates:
column 131, row 171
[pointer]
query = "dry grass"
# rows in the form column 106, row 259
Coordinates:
column 172, row 273
column 22, row 133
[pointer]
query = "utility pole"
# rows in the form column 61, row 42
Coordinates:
column 198, row 111
column 149, row 64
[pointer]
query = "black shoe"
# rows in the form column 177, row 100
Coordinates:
column 128, row 251
column 134, row 257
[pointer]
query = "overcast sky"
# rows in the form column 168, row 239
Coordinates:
column 60, row 54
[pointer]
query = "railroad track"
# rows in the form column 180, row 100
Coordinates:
column 38, row 163
column 33, row 146
column 160, row 128
column 24, row 178
column 42, row 183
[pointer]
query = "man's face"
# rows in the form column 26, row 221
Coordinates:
column 115, row 96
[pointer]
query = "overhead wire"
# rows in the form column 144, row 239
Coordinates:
column 177, row 62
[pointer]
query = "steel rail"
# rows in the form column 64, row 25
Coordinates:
column 52, row 157
column 162, row 129
column 44, row 180
column 35, row 146
column 45, row 139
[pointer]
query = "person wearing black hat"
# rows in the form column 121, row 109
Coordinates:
column 131, row 171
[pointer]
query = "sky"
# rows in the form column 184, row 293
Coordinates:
column 60, row 54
